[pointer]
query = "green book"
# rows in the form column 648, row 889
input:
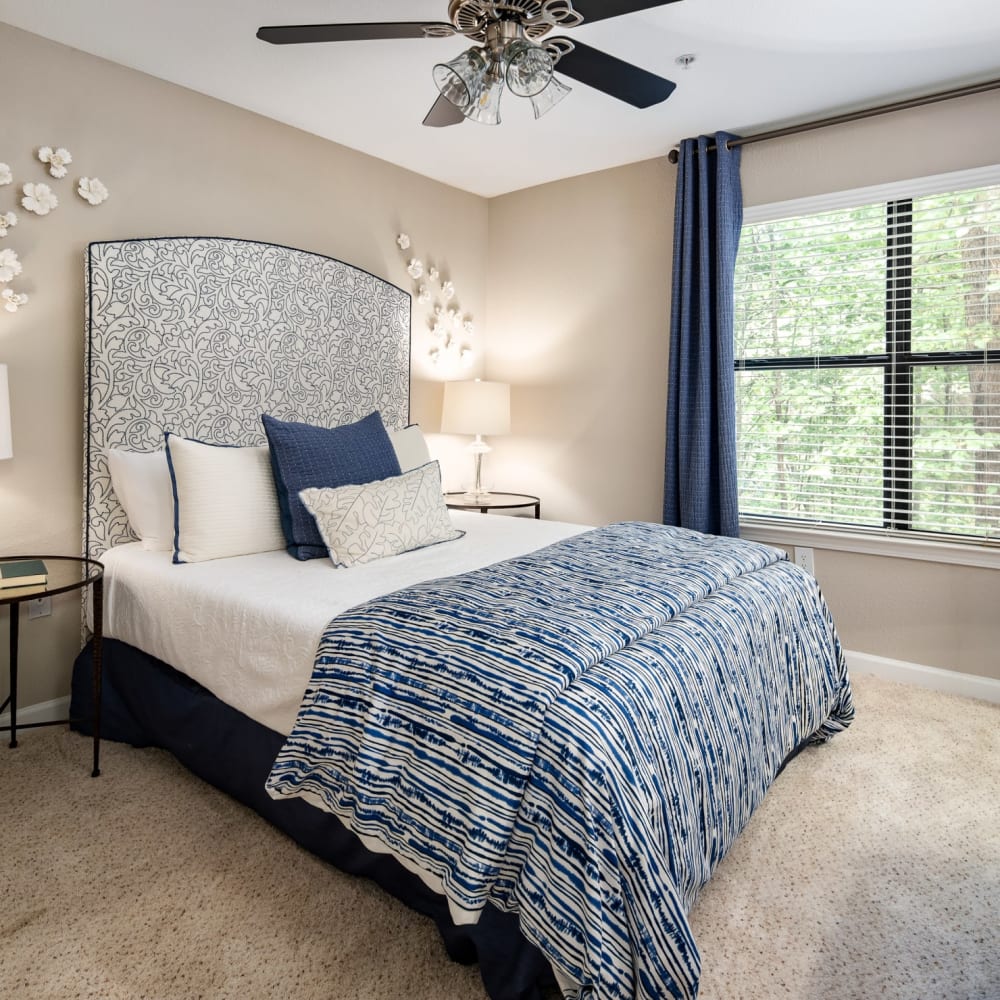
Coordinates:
column 25, row 573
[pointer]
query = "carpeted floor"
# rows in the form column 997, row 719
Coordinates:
column 872, row 870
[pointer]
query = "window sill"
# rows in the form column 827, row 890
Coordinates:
column 873, row 544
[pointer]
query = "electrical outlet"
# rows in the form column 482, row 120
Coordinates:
column 40, row 607
column 804, row 558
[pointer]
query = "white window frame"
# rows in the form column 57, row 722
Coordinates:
column 875, row 541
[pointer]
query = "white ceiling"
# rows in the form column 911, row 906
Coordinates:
column 760, row 64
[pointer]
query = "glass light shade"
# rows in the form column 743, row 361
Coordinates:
column 545, row 101
column 485, row 107
column 529, row 68
column 6, row 447
column 461, row 80
column 476, row 408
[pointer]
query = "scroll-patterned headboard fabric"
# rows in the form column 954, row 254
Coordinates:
column 200, row 336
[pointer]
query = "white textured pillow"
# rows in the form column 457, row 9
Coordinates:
column 141, row 481
column 224, row 500
column 362, row 523
column 410, row 447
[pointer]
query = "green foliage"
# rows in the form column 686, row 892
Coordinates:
column 811, row 440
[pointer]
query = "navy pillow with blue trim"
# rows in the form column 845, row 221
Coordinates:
column 304, row 456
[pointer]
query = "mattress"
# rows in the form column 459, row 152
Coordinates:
column 247, row 628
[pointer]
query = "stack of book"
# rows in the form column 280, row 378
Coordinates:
column 24, row 577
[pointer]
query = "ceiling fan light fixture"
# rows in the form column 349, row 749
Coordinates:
column 528, row 68
column 545, row 101
column 470, row 85
column 462, row 79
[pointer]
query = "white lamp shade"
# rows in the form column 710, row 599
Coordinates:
column 6, row 448
column 476, row 408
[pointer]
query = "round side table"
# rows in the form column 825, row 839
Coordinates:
column 485, row 502
column 64, row 573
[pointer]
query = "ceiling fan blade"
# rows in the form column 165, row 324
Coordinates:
column 443, row 113
column 294, row 34
column 613, row 76
column 599, row 10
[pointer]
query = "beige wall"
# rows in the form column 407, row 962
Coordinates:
column 176, row 163
column 578, row 308
column 578, row 311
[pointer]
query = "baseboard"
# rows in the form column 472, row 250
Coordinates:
column 45, row 711
column 948, row 681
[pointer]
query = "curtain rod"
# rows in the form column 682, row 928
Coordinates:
column 854, row 116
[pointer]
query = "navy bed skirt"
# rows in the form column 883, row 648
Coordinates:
column 145, row 702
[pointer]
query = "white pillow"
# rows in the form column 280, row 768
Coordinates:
column 362, row 523
column 410, row 447
column 141, row 481
column 224, row 500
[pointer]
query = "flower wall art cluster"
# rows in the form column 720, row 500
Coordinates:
column 37, row 198
column 450, row 328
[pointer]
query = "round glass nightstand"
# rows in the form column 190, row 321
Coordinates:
column 485, row 502
column 63, row 574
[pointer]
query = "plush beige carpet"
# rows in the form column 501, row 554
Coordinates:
column 872, row 870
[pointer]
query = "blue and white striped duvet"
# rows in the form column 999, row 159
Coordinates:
column 578, row 734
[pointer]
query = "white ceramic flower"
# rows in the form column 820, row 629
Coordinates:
column 438, row 330
column 423, row 295
column 10, row 266
column 467, row 356
column 403, row 241
column 38, row 198
column 433, row 274
column 448, row 291
column 5, row 175
column 92, row 190
column 12, row 301
column 435, row 355
column 453, row 316
column 469, row 327
column 56, row 159
column 415, row 268
column 7, row 221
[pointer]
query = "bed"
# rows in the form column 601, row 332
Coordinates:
column 542, row 736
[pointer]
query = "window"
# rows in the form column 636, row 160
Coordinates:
column 868, row 365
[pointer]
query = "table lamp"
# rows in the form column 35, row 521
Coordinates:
column 6, row 447
column 476, row 408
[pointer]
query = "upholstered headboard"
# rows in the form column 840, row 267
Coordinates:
column 199, row 336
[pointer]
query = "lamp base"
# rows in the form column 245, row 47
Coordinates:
column 478, row 448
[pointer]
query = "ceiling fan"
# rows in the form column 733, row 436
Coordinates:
column 508, row 53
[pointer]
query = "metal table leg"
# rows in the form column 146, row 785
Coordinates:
column 15, row 617
column 98, row 593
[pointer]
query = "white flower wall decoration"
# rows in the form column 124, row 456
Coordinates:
column 12, row 301
column 446, row 324
column 91, row 189
column 56, row 159
column 10, row 266
column 39, row 198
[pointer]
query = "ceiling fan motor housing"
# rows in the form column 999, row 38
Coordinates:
column 536, row 17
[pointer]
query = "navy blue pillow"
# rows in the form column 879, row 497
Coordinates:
column 303, row 455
